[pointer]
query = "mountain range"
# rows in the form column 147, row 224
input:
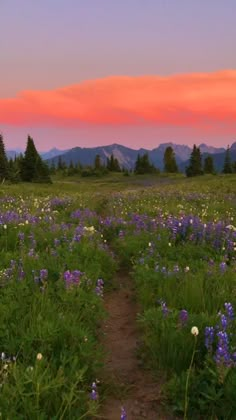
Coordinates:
column 127, row 156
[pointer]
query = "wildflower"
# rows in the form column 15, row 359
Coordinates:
column 123, row 415
column 223, row 267
column 39, row 356
column 183, row 317
column 186, row 270
column 43, row 274
column 209, row 337
column 194, row 331
column 222, row 355
column 224, row 321
column 99, row 287
column 229, row 310
column 94, row 393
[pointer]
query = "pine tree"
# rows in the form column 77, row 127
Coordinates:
column 59, row 164
column 52, row 168
column 41, row 172
column 137, row 165
column 97, row 163
column 143, row 165
column 209, row 165
column 33, row 168
column 195, row 165
column 116, row 166
column 4, row 169
column 227, row 169
column 170, row 164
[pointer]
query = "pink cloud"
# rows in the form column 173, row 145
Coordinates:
column 197, row 100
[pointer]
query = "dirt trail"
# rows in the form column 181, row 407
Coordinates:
column 132, row 387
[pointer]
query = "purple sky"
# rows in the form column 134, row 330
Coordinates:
column 50, row 44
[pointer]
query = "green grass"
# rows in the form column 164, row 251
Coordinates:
column 42, row 315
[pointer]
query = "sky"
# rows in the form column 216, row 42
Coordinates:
column 139, row 73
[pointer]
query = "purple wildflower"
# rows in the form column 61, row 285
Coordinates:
column 99, row 287
column 223, row 267
column 229, row 310
column 94, row 393
column 222, row 355
column 209, row 337
column 183, row 317
column 43, row 274
column 123, row 415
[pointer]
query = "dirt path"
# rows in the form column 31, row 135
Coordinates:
column 130, row 385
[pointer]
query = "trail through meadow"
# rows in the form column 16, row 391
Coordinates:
column 131, row 386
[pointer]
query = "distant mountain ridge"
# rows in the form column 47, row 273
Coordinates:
column 127, row 156
column 11, row 154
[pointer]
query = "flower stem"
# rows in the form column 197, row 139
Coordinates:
column 187, row 380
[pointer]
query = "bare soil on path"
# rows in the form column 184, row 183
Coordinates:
column 130, row 385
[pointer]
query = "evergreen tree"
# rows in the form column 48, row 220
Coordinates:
column 116, row 166
column 33, row 169
column 59, row 164
column 4, row 170
column 209, row 165
column 143, row 165
column 42, row 173
column 227, row 169
column 113, row 164
column 97, row 163
column 170, row 164
column 137, row 164
column 195, row 166
column 52, row 168
column 234, row 167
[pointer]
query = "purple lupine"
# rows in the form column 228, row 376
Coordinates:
column 183, row 317
column 21, row 236
column 123, row 415
column 224, row 321
column 209, row 337
column 222, row 355
column 94, row 393
column 43, row 274
column 229, row 309
column 99, row 287
column 31, row 252
column 164, row 308
column 223, row 267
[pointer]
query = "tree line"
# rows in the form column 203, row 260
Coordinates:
column 27, row 167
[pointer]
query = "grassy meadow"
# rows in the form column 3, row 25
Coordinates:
column 60, row 246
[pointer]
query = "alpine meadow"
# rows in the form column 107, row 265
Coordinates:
column 118, row 210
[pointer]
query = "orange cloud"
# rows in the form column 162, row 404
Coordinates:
column 194, row 100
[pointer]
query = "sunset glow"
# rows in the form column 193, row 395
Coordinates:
column 77, row 73
column 184, row 100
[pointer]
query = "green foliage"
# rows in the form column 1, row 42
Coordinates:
column 143, row 165
column 170, row 164
column 227, row 169
column 195, row 165
column 4, row 169
column 210, row 395
column 113, row 164
column 209, row 165
column 33, row 169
